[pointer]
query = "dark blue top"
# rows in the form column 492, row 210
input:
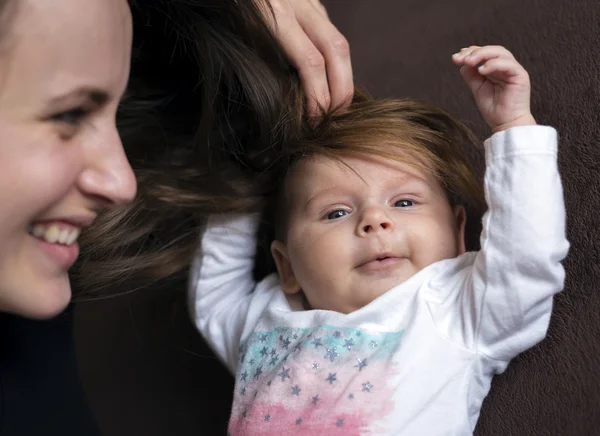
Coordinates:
column 40, row 389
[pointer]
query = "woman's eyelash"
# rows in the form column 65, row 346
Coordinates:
column 72, row 116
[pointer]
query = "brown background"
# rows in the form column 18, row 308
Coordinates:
column 147, row 372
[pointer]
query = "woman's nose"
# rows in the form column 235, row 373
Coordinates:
column 108, row 176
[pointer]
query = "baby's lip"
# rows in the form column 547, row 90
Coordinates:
column 381, row 264
column 378, row 257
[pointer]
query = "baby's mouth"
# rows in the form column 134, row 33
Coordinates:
column 380, row 262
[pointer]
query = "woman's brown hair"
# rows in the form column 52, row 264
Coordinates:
column 210, row 96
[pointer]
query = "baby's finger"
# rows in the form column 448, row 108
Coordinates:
column 460, row 56
column 471, row 76
column 483, row 54
column 501, row 69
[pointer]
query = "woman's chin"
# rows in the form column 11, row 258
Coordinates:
column 39, row 299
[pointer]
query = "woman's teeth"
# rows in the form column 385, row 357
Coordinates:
column 55, row 233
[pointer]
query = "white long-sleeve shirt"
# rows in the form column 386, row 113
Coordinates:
column 417, row 360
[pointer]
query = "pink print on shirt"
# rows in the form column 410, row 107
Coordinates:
column 323, row 380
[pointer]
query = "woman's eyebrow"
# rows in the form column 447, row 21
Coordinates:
column 97, row 96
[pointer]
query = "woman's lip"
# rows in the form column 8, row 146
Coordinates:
column 81, row 221
column 64, row 256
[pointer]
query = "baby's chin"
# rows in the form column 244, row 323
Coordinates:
column 356, row 301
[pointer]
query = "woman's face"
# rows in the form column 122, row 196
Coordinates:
column 64, row 65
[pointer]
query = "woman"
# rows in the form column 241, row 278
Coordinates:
column 64, row 66
column 61, row 158
column 61, row 163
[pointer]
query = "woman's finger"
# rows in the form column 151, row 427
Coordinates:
column 333, row 47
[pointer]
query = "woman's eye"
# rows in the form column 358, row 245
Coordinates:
column 404, row 203
column 73, row 116
column 336, row 214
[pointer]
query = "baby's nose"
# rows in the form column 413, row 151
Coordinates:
column 374, row 221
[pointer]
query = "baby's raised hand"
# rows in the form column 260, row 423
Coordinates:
column 499, row 83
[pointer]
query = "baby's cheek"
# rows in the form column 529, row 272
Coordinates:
column 444, row 248
column 317, row 267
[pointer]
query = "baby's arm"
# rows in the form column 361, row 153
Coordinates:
column 226, row 302
column 507, row 298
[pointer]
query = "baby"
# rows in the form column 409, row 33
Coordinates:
column 379, row 321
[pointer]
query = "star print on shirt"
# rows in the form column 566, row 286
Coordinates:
column 285, row 343
column 331, row 354
column 361, row 364
column 284, row 373
column 332, row 379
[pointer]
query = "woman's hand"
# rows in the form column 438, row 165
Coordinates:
column 317, row 50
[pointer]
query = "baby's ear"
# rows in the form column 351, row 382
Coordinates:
column 460, row 216
column 289, row 284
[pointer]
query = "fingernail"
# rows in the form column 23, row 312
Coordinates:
column 455, row 55
column 481, row 67
column 464, row 48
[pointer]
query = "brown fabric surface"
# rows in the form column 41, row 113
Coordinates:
column 403, row 48
column 146, row 370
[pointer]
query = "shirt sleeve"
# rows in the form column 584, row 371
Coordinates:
column 504, row 298
column 226, row 302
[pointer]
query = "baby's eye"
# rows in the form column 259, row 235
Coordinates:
column 404, row 203
column 337, row 214
column 72, row 116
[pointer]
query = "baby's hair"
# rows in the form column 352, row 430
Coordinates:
column 408, row 131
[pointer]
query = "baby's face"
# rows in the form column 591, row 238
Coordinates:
column 355, row 234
